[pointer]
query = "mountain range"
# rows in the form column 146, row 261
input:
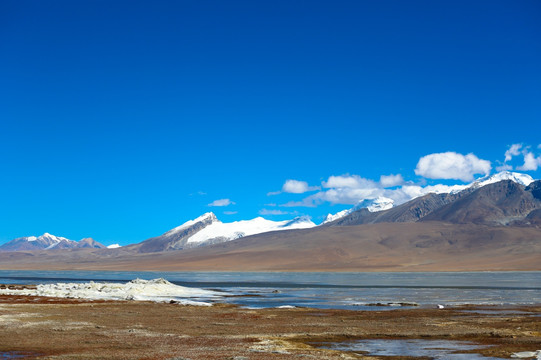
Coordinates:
column 49, row 242
column 497, row 196
column 492, row 224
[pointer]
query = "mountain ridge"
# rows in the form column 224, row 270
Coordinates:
column 49, row 242
column 503, row 203
column 445, row 192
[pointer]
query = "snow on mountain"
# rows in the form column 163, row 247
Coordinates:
column 207, row 230
column 373, row 205
column 330, row 217
column 522, row 179
column 218, row 230
column 205, row 218
column 114, row 246
column 47, row 242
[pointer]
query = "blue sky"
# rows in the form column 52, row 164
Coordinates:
column 122, row 119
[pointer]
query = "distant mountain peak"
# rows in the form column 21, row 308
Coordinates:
column 377, row 204
column 519, row 178
column 48, row 242
column 206, row 218
column 304, row 219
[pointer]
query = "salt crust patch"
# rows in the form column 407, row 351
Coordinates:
column 269, row 346
column 157, row 290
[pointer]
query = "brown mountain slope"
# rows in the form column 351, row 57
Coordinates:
column 431, row 246
column 501, row 203
column 496, row 204
column 410, row 211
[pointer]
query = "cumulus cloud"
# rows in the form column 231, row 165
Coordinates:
column 391, row 180
column 346, row 181
column 514, row 150
column 531, row 163
column 355, row 189
column 349, row 196
column 221, row 202
column 504, row 167
column 452, row 165
column 342, row 189
column 292, row 186
column 297, row 187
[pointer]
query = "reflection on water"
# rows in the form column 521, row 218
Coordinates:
column 16, row 355
column 434, row 349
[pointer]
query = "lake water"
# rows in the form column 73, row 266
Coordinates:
column 433, row 349
column 361, row 291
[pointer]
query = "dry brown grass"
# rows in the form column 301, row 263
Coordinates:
column 78, row 329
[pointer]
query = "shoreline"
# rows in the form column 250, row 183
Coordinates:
column 321, row 271
column 60, row 328
column 173, row 269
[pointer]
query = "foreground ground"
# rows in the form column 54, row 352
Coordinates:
column 48, row 328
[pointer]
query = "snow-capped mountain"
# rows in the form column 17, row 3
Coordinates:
column 373, row 205
column 219, row 231
column 48, row 242
column 383, row 203
column 207, row 229
column 522, row 179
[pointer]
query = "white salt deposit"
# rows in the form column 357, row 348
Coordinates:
column 157, row 290
column 527, row 354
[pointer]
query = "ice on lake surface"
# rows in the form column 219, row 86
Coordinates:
column 434, row 349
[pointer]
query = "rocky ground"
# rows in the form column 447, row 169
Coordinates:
column 49, row 328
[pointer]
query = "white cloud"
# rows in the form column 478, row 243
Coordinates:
column 347, row 195
column 504, row 167
column 221, row 202
column 347, row 181
column 391, row 180
column 342, row 189
column 451, row 165
column 230, row 212
column 514, row 150
column 297, row 187
column 530, row 162
column 371, row 190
